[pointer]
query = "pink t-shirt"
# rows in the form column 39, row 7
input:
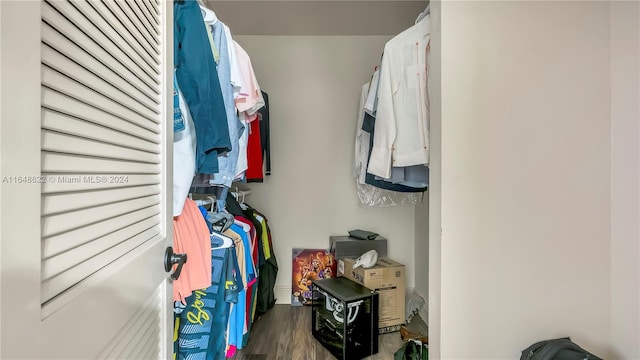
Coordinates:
column 250, row 99
column 191, row 236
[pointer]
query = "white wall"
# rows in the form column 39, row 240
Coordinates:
column 422, row 253
column 625, row 180
column 314, row 85
column 525, row 247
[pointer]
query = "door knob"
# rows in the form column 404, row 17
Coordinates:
column 170, row 259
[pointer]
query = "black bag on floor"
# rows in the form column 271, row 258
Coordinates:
column 557, row 349
column 412, row 350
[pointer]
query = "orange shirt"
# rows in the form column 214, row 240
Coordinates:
column 191, row 236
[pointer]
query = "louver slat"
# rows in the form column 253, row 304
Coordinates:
column 83, row 112
column 98, row 130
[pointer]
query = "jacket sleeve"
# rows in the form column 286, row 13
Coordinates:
column 198, row 81
column 384, row 137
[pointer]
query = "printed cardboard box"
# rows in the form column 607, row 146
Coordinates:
column 387, row 278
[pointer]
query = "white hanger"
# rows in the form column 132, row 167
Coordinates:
column 227, row 242
column 240, row 195
column 245, row 226
column 209, row 16
column 213, row 202
column 424, row 14
column 209, row 200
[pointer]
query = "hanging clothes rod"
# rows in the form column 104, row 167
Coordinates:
column 203, row 202
column 207, row 201
column 240, row 195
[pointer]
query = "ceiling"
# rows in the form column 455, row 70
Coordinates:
column 309, row 17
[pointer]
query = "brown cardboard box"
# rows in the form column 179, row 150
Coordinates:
column 387, row 278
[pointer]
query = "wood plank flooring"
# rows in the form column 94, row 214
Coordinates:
column 284, row 333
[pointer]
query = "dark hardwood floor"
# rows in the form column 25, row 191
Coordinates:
column 284, row 333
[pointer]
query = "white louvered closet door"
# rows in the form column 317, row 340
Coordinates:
column 85, row 142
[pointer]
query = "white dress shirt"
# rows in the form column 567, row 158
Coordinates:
column 401, row 130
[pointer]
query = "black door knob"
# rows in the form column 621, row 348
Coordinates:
column 170, row 259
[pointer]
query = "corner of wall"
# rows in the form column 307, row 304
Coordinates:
column 424, row 310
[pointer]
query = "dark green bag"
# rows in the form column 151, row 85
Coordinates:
column 557, row 349
column 412, row 350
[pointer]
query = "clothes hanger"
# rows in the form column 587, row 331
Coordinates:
column 213, row 203
column 423, row 14
column 227, row 242
column 245, row 226
column 209, row 200
column 242, row 204
column 209, row 16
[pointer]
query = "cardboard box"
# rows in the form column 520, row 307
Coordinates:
column 387, row 278
column 349, row 247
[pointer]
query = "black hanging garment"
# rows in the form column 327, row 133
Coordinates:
column 267, row 268
column 264, row 134
column 268, row 274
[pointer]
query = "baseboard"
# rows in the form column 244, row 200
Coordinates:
column 282, row 294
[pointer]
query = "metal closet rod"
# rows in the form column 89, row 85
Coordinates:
column 237, row 193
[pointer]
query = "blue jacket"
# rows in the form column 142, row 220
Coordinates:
column 198, row 81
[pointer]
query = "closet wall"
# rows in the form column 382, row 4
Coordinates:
column 313, row 84
column 312, row 62
column 625, row 179
column 539, row 133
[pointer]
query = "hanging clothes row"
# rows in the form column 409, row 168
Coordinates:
column 260, row 296
column 215, row 320
column 392, row 138
column 221, row 115
column 201, row 317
